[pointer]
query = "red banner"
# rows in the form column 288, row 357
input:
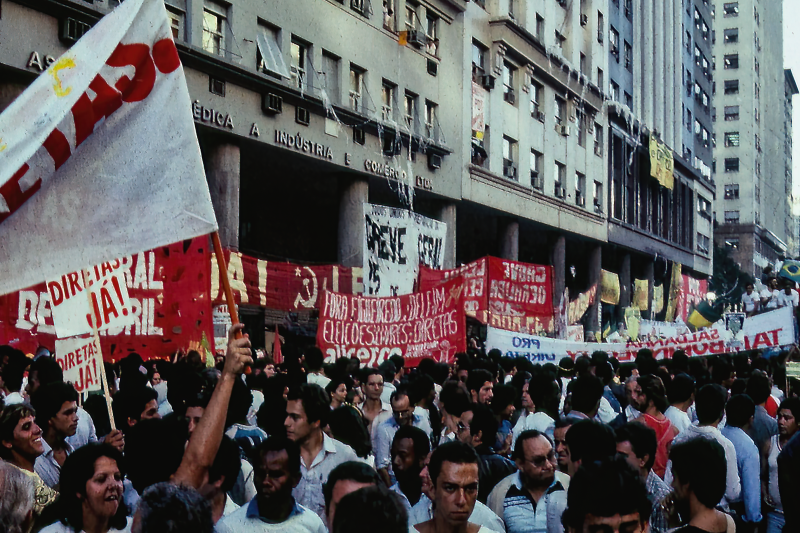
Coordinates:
column 691, row 292
column 428, row 323
column 282, row 286
column 504, row 294
column 168, row 288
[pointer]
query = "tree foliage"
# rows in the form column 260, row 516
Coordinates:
column 728, row 281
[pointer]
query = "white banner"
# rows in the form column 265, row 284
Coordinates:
column 397, row 241
column 99, row 157
column 79, row 358
column 766, row 330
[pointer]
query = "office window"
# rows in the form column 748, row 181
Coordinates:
column 214, row 20
column 269, row 58
column 387, row 100
column 629, row 9
column 478, row 60
column 536, row 91
column 330, row 76
column 703, row 243
column 539, row 26
column 756, row 66
column 560, row 39
column 580, row 126
column 509, row 158
column 628, row 100
column 560, row 109
column 600, row 78
column 732, row 61
column 299, row 55
column 601, row 27
column 731, row 86
column 704, row 207
column 732, row 164
column 731, row 217
column 410, row 110
column 580, row 189
column 431, row 112
column 559, row 176
column 628, row 56
column 537, row 181
column 731, row 35
column 614, row 88
column 731, row 138
column 509, row 75
column 732, row 192
column 731, row 112
column 356, row 87
column 613, row 40
column 411, row 17
column 598, row 139
column 582, row 63
column 432, row 32
column 756, row 90
column 176, row 19
column 731, row 9
column 597, row 196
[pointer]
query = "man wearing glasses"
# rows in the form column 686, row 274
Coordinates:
column 402, row 415
column 533, row 499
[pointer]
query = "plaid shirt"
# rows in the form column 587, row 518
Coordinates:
column 657, row 491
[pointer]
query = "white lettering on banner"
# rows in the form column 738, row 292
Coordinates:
column 396, row 242
column 766, row 330
column 34, row 313
column 79, row 358
column 301, row 144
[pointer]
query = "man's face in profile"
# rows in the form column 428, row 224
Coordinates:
column 612, row 524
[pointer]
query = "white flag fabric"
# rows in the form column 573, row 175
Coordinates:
column 99, row 157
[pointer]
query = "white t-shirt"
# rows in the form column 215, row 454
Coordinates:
column 771, row 297
column 302, row 520
column 58, row 527
column 749, row 301
column 787, row 300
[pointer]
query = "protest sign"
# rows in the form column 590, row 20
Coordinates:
column 502, row 293
column 766, row 330
column 397, row 242
column 107, row 304
column 80, row 360
column 691, row 292
column 429, row 323
column 99, row 157
column 283, row 286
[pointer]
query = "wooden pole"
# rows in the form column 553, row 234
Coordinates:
column 96, row 336
column 226, row 285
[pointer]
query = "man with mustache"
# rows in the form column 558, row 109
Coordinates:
column 56, row 408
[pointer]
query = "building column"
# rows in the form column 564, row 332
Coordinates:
column 625, row 282
column 508, row 235
column 650, row 274
column 224, row 180
column 447, row 214
column 595, row 265
column 354, row 193
column 558, row 258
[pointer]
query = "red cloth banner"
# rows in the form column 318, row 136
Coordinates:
column 283, row 286
column 424, row 324
column 504, row 294
column 169, row 292
column 690, row 293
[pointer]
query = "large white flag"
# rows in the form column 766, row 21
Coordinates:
column 99, row 157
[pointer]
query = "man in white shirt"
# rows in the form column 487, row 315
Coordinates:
column 681, row 396
column 314, row 360
column 788, row 297
column 750, row 300
column 769, row 296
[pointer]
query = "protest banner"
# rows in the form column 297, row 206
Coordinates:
column 106, row 305
column 609, row 287
column 424, row 324
column 691, row 292
column 397, row 242
column 277, row 285
column 766, row 330
column 168, row 290
column 80, row 360
column 502, row 293
column 99, row 157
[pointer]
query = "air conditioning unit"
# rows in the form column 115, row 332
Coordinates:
column 487, row 81
column 359, row 136
column 302, row 116
column 510, row 96
column 433, row 67
column 536, row 181
column 417, row 38
column 584, row 19
column 563, row 130
column 271, row 104
column 580, row 200
column 561, row 192
column 598, row 208
column 538, row 115
column 598, row 150
column 434, row 161
column 510, row 171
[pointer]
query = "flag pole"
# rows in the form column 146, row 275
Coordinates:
column 96, row 336
column 226, row 285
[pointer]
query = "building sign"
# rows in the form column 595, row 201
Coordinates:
column 40, row 62
column 207, row 115
column 301, row 144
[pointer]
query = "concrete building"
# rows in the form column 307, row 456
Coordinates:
column 492, row 116
column 793, row 240
column 754, row 211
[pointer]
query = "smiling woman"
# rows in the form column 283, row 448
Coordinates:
column 91, row 492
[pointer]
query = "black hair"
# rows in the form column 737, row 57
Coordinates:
column 483, row 421
column 739, row 410
column 240, row 402
column 369, row 371
column 503, row 397
column 586, row 392
column 454, row 398
column 14, row 370
column 643, row 441
column 604, row 371
column 453, row 452
column 543, row 390
column 349, row 471
column 387, row 370
column 47, row 401
column 680, row 389
column 399, row 393
column 519, row 446
column 564, row 422
column 316, row 403
column 371, row 509
column 589, row 440
column 314, row 358
column 793, row 405
column 169, row 508
column 710, row 403
column 96, row 406
column 9, row 418
column 680, row 361
column 153, row 451
column 77, row 470
column 130, row 403
column 348, row 427
column 337, row 380
column 277, row 444
column 398, row 360
column 701, row 463
column 477, row 378
column 227, row 464
column 422, row 444
column 758, row 388
column 47, row 371
column 421, row 387
column 604, row 489
column 645, row 362
column 653, row 388
column 583, row 366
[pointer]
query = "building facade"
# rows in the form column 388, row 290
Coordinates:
column 754, row 213
column 523, row 126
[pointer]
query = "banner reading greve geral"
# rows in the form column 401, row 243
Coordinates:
column 428, row 323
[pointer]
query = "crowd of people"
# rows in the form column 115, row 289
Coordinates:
column 487, row 444
column 774, row 294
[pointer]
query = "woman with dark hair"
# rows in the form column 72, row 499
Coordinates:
column 337, row 389
column 347, row 425
column 91, row 492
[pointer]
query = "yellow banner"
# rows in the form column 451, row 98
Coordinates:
column 640, row 293
column 674, row 289
column 658, row 298
column 662, row 163
column 632, row 319
column 609, row 287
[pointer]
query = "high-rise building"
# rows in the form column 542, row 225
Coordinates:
column 790, row 89
column 753, row 212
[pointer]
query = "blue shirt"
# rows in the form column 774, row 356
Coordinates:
column 748, row 463
column 384, row 434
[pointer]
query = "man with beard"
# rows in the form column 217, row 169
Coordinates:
column 56, row 407
column 531, row 500
column 409, row 449
column 650, row 398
